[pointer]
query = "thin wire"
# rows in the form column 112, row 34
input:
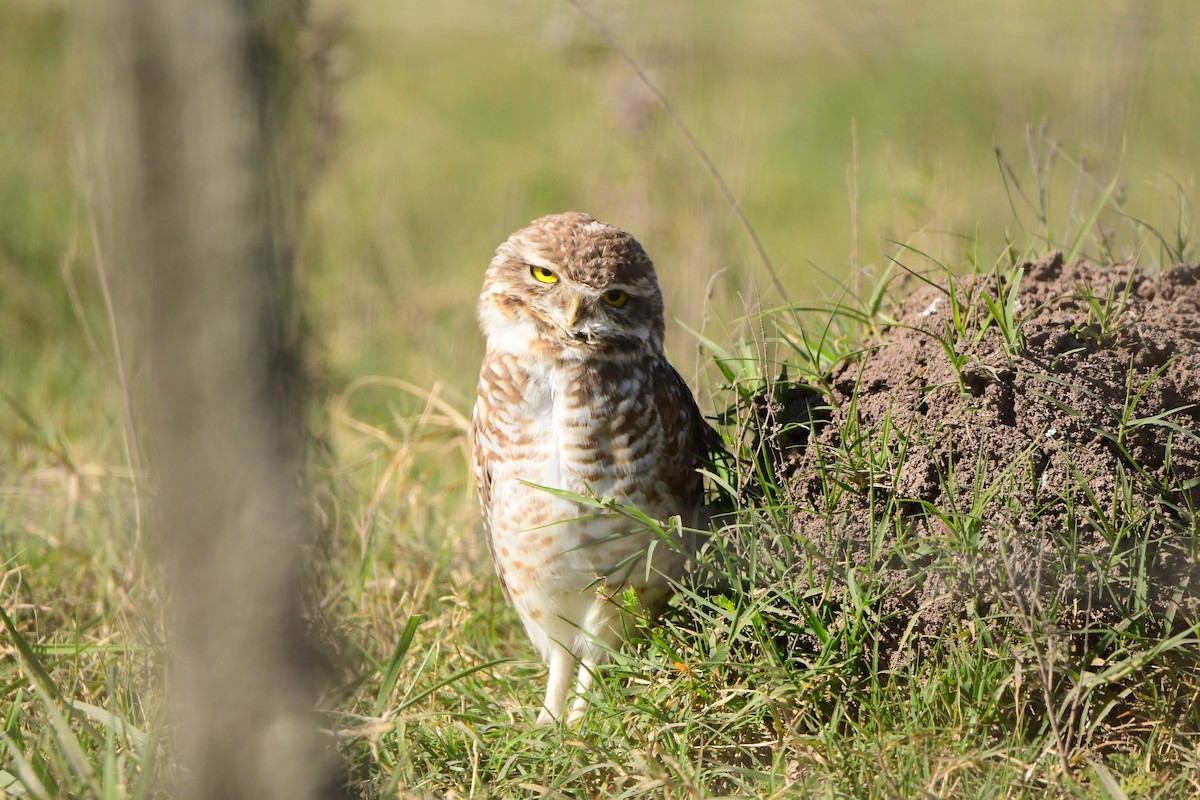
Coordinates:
column 734, row 205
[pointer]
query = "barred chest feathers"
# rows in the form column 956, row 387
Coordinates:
column 589, row 428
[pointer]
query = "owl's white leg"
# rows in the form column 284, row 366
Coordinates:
column 601, row 633
column 583, row 684
column 562, row 664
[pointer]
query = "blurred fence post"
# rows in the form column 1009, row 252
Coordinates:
column 212, row 277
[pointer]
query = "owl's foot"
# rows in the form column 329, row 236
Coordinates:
column 578, row 708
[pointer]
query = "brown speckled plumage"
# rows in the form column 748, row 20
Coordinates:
column 576, row 394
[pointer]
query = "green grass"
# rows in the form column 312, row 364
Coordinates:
column 455, row 126
column 759, row 688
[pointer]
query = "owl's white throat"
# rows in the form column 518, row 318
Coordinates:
column 515, row 335
column 506, row 334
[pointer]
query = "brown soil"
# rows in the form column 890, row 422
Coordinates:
column 1012, row 486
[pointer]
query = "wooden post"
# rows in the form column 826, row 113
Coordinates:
column 213, row 280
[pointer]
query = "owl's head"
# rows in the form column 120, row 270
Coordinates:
column 570, row 286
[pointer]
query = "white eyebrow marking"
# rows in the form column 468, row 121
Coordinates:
column 534, row 260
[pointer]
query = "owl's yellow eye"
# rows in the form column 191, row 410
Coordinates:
column 615, row 298
column 544, row 275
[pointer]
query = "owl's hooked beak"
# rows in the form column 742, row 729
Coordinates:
column 572, row 327
column 573, row 312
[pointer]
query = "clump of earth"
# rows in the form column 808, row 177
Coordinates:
column 1050, row 476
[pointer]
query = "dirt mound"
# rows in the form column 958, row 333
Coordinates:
column 1047, row 467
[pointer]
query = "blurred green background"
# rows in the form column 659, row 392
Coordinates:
column 443, row 127
column 434, row 130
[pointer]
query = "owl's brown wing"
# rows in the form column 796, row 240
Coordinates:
column 482, row 427
column 695, row 443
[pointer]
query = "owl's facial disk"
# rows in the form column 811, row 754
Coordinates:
column 537, row 306
column 582, row 314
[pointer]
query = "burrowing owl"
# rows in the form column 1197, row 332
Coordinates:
column 576, row 396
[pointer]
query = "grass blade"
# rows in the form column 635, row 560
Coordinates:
column 391, row 673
